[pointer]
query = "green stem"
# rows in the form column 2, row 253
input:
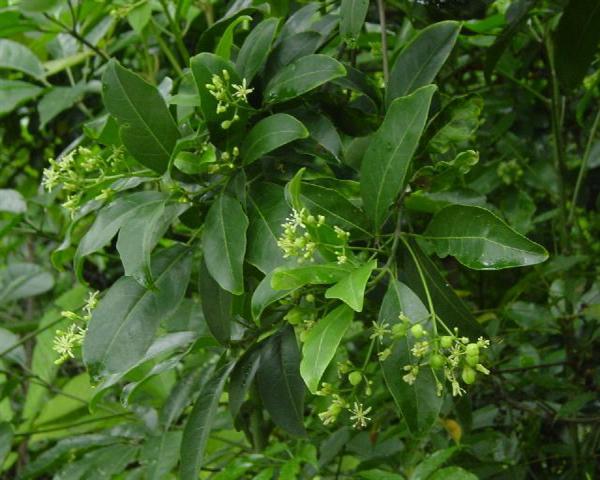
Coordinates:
column 559, row 151
column 29, row 336
column 166, row 50
column 177, row 32
column 424, row 282
column 384, row 52
column 582, row 168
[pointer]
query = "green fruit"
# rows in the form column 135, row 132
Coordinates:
column 468, row 375
column 446, row 341
column 355, row 378
column 335, row 409
column 294, row 316
column 399, row 330
column 417, row 331
column 472, row 349
column 472, row 360
column 437, row 361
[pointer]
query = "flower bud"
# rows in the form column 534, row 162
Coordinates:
column 472, row 349
column 437, row 361
column 446, row 341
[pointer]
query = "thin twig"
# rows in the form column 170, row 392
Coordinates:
column 583, row 166
column 384, row 52
column 77, row 36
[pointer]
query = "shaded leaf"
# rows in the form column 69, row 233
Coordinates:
column 301, row 76
column 418, row 403
column 576, row 41
column 279, row 383
column 352, row 18
column 199, row 424
column 216, row 305
column 21, row 280
column 271, row 133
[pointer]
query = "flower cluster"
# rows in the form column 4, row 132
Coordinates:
column 296, row 240
column 66, row 341
column 228, row 96
column 451, row 356
column 344, row 237
column 357, row 411
column 79, row 170
column 509, row 172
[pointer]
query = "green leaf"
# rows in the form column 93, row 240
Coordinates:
column 21, row 280
column 432, row 463
column 448, row 306
column 352, row 18
column 264, row 295
column 160, row 454
column 226, row 42
column 301, row 76
column 452, row 473
column 216, row 305
column 387, row 159
column 199, row 424
column 335, row 207
column 256, row 48
column 9, row 345
column 576, row 41
column 224, row 243
column 14, row 93
column 242, row 377
column 139, row 16
column 516, row 15
column 418, row 403
column 12, row 201
column 204, row 66
column 421, row 60
column 148, row 130
column 37, row 5
column 295, row 277
column 6, row 436
column 57, row 100
column 271, row 133
column 139, row 235
column 321, row 344
column 15, row 56
column 279, row 383
column 124, row 324
column 480, row 240
column 351, row 289
column 160, row 347
column 111, row 218
column 267, row 211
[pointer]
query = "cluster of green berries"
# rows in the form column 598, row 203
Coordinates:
column 296, row 239
column 449, row 357
column 80, row 170
column 228, row 96
column 509, row 172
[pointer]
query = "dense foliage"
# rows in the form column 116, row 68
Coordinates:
column 279, row 239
